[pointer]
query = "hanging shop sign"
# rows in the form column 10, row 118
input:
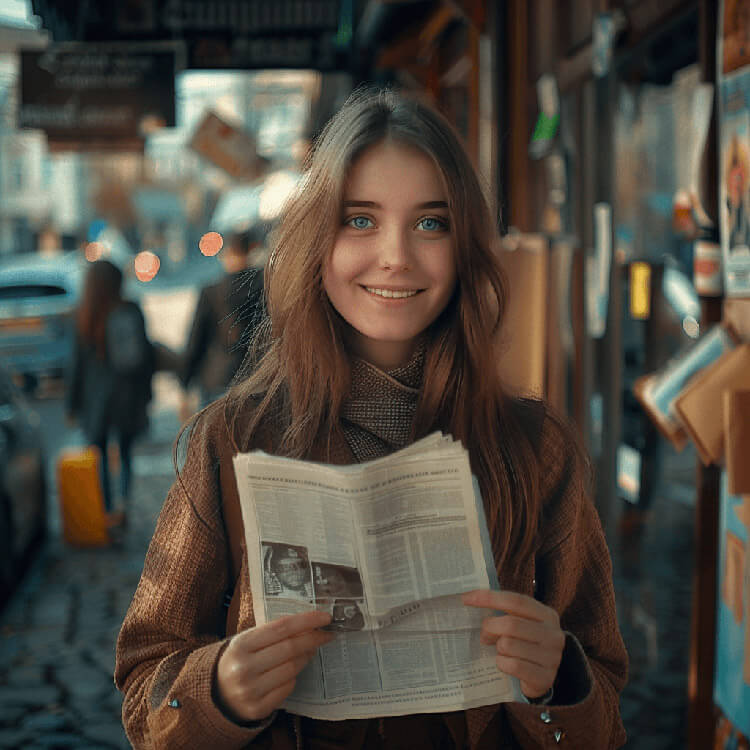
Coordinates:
column 227, row 146
column 696, row 404
column 658, row 391
column 317, row 52
column 106, row 94
column 129, row 19
column 219, row 34
column 733, row 75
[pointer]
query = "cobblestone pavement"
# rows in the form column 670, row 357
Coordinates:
column 57, row 635
column 652, row 555
column 653, row 576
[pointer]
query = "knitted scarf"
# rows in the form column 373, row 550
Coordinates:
column 378, row 414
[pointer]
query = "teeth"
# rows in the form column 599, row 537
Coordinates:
column 390, row 293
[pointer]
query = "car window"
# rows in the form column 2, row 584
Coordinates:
column 22, row 291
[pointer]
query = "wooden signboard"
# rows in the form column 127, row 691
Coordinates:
column 83, row 93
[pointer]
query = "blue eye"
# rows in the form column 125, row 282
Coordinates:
column 433, row 224
column 360, row 222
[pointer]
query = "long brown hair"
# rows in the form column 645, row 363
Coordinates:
column 301, row 373
column 101, row 294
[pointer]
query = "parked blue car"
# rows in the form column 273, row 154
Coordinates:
column 38, row 295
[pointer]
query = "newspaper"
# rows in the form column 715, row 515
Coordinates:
column 387, row 547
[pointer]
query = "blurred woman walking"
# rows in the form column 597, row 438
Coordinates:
column 110, row 380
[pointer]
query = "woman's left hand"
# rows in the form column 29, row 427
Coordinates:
column 528, row 638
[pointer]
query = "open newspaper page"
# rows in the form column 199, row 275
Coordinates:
column 386, row 547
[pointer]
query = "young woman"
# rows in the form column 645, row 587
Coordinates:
column 109, row 384
column 384, row 295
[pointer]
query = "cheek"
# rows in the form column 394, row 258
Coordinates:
column 330, row 286
column 442, row 270
column 341, row 267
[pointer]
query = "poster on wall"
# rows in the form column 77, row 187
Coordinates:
column 733, row 61
column 732, row 677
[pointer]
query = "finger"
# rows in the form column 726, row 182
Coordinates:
column 545, row 657
column 510, row 602
column 288, row 650
column 534, row 678
column 521, row 628
column 269, row 681
column 286, row 627
column 271, row 701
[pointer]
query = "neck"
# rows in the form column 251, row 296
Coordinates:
column 385, row 355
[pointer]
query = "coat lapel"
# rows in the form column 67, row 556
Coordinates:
column 477, row 720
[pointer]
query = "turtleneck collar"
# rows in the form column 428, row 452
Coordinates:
column 377, row 417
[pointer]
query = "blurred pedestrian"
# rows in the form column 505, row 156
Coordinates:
column 109, row 384
column 225, row 315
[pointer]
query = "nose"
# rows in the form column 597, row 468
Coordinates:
column 395, row 251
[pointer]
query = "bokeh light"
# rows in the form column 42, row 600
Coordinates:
column 146, row 265
column 277, row 189
column 93, row 251
column 211, row 243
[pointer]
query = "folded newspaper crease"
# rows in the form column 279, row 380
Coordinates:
column 386, row 547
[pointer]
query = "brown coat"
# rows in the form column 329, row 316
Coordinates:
column 170, row 641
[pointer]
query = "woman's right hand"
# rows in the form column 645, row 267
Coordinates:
column 258, row 669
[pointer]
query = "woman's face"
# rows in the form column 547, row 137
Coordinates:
column 392, row 268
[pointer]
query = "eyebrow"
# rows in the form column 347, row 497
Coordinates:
column 373, row 204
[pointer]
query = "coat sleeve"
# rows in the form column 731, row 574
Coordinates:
column 574, row 577
column 74, row 378
column 168, row 647
column 201, row 331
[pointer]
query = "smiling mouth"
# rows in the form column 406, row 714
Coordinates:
column 392, row 293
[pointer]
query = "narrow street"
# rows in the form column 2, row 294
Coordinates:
column 57, row 634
